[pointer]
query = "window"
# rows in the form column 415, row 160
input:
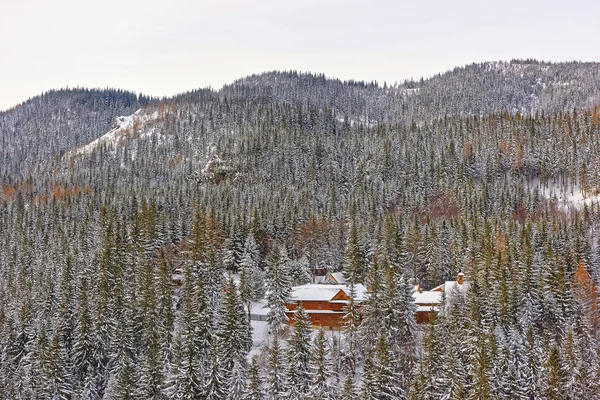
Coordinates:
column 320, row 305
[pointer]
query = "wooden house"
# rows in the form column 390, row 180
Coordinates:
column 430, row 301
column 427, row 302
column 324, row 304
column 177, row 277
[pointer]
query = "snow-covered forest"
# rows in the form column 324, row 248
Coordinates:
column 492, row 169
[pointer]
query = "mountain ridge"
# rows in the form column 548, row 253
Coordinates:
column 57, row 121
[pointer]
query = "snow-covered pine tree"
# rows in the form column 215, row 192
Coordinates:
column 300, row 271
column 83, row 344
column 348, row 391
column 276, row 376
column 151, row 379
column 354, row 269
column 214, row 386
column 299, row 355
column 234, row 342
column 255, row 389
column 402, row 327
column 387, row 382
column 373, row 306
column 252, row 278
column 323, row 385
column 278, row 289
column 234, row 250
column 192, row 361
column 351, row 321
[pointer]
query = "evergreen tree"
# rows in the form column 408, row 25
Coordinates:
column 323, row 387
column 255, row 389
column 278, row 289
column 299, row 369
column 276, row 382
column 234, row 342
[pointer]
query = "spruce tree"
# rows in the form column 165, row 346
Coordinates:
column 278, row 289
column 276, row 376
column 323, row 385
column 255, row 389
column 299, row 356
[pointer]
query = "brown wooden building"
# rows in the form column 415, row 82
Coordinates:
column 430, row 301
column 324, row 304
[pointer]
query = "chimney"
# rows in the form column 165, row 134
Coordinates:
column 460, row 277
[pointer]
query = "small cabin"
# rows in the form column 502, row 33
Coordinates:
column 427, row 302
column 430, row 301
column 177, row 277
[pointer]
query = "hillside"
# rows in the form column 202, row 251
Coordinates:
column 34, row 132
column 43, row 127
column 135, row 234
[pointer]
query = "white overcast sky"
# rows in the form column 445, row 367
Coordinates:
column 166, row 47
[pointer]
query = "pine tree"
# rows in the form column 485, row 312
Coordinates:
column 323, row 387
column 276, row 382
column 234, row 342
column 255, row 389
column 373, row 306
column 252, row 278
column 278, row 289
column 427, row 382
column 554, row 375
column 348, row 390
column 400, row 324
column 234, row 250
column 299, row 371
column 83, row 345
column 354, row 270
column 126, row 386
column 193, row 343
column 351, row 322
column 58, row 372
column 215, row 386
column 164, row 293
column 388, row 384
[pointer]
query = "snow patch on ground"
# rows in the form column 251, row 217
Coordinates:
column 260, row 338
column 123, row 128
column 570, row 197
column 577, row 200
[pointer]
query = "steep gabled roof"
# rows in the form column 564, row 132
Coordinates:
column 338, row 277
column 314, row 292
column 427, row 297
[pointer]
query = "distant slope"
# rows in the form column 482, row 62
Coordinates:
column 526, row 87
column 52, row 123
column 32, row 134
column 518, row 86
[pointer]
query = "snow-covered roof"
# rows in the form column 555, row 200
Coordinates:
column 452, row 289
column 427, row 308
column 438, row 288
column 450, row 286
column 427, row 297
column 315, row 292
column 339, row 277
